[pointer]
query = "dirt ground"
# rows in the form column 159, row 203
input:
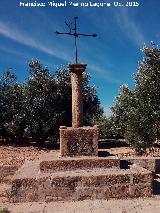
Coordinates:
column 12, row 155
column 141, row 205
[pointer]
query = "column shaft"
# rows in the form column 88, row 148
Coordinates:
column 77, row 100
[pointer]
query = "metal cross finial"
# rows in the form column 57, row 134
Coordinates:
column 73, row 32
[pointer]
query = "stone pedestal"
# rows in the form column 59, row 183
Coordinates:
column 81, row 141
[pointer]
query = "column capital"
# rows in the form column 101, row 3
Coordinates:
column 77, row 68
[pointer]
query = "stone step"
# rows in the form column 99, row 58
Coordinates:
column 64, row 164
column 31, row 185
column 5, row 192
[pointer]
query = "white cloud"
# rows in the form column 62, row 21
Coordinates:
column 12, row 32
column 130, row 27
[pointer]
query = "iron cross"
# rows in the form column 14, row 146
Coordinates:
column 73, row 32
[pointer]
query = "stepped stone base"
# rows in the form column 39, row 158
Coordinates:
column 81, row 141
column 38, row 182
column 64, row 164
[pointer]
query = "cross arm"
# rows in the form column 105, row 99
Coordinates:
column 81, row 34
column 75, row 34
column 58, row 33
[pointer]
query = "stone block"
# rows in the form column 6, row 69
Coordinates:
column 142, row 178
column 141, row 190
column 122, row 189
column 105, row 180
column 81, row 141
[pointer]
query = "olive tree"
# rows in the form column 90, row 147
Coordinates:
column 137, row 110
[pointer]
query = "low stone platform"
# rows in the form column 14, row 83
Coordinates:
column 30, row 184
column 64, row 164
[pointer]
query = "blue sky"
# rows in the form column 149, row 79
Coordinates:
column 112, row 57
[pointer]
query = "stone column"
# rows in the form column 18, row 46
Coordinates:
column 77, row 101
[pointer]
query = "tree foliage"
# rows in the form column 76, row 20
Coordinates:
column 105, row 128
column 39, row 102
column 137, row 111
column 11, row 103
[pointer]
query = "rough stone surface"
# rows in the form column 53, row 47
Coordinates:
column 77, row 101
column 82, row 141
column 81, row 184
column 64, row 164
